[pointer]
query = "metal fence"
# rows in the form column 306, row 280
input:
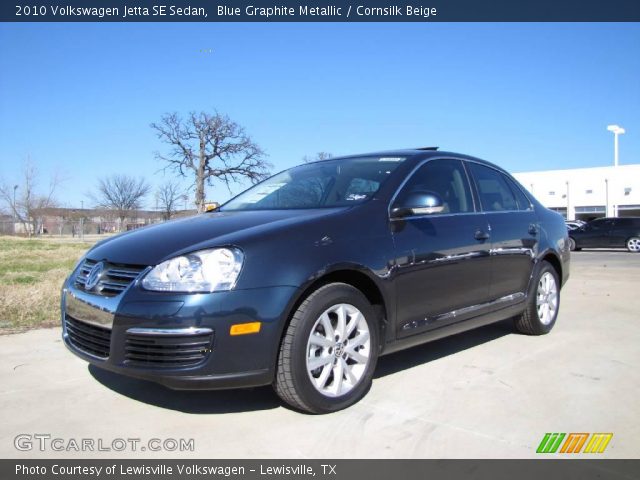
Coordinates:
column 73, row 228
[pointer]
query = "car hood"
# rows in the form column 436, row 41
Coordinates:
column 156, row 243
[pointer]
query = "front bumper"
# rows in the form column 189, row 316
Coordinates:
column 141, row 333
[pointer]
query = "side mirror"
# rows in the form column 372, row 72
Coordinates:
column 418, row 203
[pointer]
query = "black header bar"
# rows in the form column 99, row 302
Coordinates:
column 321, row 11
column 551, row 469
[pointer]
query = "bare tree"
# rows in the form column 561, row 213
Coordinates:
column 25, row 201
column 168, row 195
column 210, row 147
column 122, row 194
column 319, row 156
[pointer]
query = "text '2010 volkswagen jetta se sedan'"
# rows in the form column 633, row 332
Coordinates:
column 305, row 279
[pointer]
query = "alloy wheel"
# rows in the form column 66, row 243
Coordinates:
column 338, row 350
column 547, row 298
column 633, row 244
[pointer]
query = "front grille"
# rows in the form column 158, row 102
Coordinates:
column 167, row 351
column 113, row 281
column 89, row 338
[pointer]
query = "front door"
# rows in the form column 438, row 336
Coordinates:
column 442, row 259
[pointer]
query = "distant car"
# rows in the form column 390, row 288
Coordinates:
column 607, row 232
column 305, row 279
column 573, row 224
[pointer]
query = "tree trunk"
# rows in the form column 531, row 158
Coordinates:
column 200, row 178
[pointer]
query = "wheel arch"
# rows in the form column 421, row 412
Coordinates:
column 555, row 263
column 351, row 275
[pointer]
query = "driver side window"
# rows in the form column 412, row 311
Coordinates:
column 445, row 178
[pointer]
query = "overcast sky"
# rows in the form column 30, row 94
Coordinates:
column 80, row 97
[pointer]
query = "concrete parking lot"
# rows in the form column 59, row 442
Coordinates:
column 490, row 393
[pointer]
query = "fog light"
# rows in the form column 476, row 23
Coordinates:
column 245, row 328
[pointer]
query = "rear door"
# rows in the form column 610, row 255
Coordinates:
column 596, row 233
column 514, row 233
column 620, row 232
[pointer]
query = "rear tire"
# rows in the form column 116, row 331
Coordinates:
column 633, row 245
column 329, row 351
column 544, row 302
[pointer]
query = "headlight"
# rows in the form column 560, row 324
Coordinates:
column 204, row 271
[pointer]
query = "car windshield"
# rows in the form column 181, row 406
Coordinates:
column 330, row 183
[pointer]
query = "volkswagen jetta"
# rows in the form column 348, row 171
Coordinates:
column 305, row 279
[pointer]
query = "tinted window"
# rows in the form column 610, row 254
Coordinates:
column 627, row 222
column 330, row 183
column 447, row 179
column 523, row 202
column 493, row 189
column 600, row 224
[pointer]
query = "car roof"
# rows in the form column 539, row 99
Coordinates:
column 416, row 155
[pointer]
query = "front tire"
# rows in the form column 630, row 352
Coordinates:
column 633, row 245
column 544, row 302
column 572, row 245
column 329, row 351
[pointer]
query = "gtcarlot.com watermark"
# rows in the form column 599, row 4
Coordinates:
column 44, row 442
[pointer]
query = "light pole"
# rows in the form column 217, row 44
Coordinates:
column 616, row 130
column 606, row 190
column 570, row 214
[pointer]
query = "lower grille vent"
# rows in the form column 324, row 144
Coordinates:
column 89, row 338
column 167, row 350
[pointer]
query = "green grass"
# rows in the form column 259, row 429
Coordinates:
column 31, row 274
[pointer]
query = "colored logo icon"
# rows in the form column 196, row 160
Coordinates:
column 574, row 442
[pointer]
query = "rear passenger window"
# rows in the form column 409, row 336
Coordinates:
column 624, row 222
column 493, row 189
column 523, row 202
column 601, row 224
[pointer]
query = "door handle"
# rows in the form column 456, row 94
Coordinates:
column 481, row 235
column 533, row 229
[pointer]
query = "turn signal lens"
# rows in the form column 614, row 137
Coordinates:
column 245, row 328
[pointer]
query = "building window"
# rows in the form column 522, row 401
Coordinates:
column 627, row 190
column 552, row 193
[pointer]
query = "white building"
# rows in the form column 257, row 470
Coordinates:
column 586, row 193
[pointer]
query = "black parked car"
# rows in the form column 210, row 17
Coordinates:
column 304, row 280
column 573, row 224
column 613, row 232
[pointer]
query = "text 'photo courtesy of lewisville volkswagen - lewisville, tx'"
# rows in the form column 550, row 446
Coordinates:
column 347, row 241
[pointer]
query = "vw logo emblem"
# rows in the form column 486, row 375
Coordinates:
column 94, row 276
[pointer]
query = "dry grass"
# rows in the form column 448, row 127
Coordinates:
column 31, row 276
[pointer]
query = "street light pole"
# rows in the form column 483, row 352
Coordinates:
column 606, row 193
column 616, row 130
column 570, row 214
